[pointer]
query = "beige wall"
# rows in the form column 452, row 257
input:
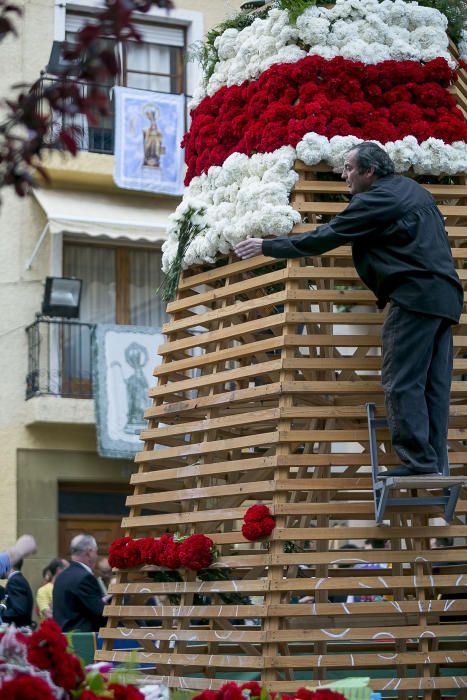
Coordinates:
column 32, row 454
column 38, row 474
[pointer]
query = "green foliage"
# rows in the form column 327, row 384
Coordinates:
column 297, row 7
column 188, row 231
column 455, row 11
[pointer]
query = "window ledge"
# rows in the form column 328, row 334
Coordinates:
column 57, row 410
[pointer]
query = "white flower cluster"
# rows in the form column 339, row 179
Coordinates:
column 245, row 54
column 463, row 45
column 372, row 31
column 246, row 196
column 156, row 691
column 431, row 157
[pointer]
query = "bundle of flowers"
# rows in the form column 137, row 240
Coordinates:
column 195, row 552
column 311, row 89
column 383, row 102
column 258, row 523
column 40, row 667
column 252, row 690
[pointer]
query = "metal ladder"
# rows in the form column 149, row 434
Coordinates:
column 382, row 489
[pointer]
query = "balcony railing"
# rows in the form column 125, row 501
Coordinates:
column 94, row 138
column 59, row 358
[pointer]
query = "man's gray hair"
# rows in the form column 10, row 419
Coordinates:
column 370, row 155
column 80, row 543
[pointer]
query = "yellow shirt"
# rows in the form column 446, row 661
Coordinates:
column 44, row 599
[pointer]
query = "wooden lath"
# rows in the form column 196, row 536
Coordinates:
column 261, row 396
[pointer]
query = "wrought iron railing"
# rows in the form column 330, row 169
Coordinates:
column 96, row 138
column 60, row 358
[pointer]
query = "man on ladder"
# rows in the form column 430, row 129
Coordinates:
column 401, row 251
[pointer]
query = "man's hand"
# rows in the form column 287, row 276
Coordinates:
column 24, row 546
column 249, row 248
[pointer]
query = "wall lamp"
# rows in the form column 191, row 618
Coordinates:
column 62, row 296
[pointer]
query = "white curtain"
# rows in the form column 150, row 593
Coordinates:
column 146, row 305
column 96, row 268
column 148, row 58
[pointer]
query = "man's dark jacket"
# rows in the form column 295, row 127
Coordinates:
column 19, row 600
column 399, row 245
column 77, row 600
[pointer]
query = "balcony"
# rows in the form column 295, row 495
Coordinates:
column 60, row 358
column 94, row 139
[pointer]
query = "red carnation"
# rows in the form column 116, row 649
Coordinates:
column 258, row 523
column 230, row 691
column 68, row 672
column 146, row 547
column 117, row 552
column 196, row 552
column 125, row 692
column 88, row 695
column 256, row 513
column 25, row 687
column 169, row 555
column 253, row 687
column 206, row 695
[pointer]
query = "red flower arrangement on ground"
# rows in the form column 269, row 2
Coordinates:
column 47, row 650
column 385, row 101
column 232, row 691
column 258, row 523
column 171, row 551
column 40, row 667
column 26, row 688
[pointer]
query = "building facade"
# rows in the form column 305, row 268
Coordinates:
column 80, row 224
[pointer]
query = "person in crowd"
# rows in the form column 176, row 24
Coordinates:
column 18, row 602
column 23, row 547
column 401, row 252
column 78, row 602
column 44, row 592
column 104, row 574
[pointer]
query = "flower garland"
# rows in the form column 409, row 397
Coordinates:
column 361, row 30
column 383, row 102
column 195, row 552
column 258, row 523
column 252, row 691
column 40, row 667
column 311, row 90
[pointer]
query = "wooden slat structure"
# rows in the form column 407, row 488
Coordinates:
column 260, row 397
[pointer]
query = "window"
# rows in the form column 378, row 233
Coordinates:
column 155, row 64
column 119, row 286
column 119, row 283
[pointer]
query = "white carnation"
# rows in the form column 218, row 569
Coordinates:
column 226, row 44
column 313, row 149
column 463, row 45
column 338, row 147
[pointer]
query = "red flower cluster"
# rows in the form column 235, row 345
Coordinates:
column 232, row 691
column 258, row 523
column 194, row 552
column 384, row 101
column 25, row 687
column 47, row 650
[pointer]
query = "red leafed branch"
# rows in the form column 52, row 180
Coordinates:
column 25, row 134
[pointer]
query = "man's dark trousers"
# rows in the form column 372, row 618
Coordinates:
column 416, row 377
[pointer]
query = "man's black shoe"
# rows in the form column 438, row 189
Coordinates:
column 406, row 471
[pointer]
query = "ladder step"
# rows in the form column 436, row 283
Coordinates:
column 425, row 482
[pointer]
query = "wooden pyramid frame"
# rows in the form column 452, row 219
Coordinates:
column 260, row 397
